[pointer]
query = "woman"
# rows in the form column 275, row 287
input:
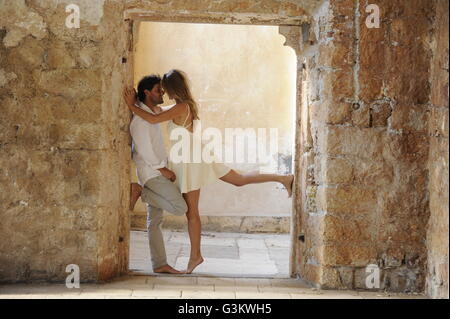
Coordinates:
column 190, row 177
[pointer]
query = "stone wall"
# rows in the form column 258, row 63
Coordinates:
column 366, row 180
column 437, row 235
column 63, row 140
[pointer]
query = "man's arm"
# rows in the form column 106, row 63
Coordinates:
column 143, row 144
column 167, row 173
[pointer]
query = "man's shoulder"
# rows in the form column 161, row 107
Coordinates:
column 137, row 123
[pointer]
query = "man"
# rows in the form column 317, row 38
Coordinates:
column 149, row 154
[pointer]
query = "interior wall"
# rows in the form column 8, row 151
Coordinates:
column 242, row 77
column 64, row 150
column 437, row 233
column 366, row 197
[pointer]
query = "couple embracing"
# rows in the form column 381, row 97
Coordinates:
column 168, row 185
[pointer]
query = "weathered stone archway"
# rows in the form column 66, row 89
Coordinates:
column 290, row 28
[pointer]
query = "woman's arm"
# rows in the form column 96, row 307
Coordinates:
column 130, row 99
column 161, row 117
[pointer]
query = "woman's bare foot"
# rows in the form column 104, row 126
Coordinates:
column 166, row 269
column 288, row 182
column 193, row 264
column 135, row 193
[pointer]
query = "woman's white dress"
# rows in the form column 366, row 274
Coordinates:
column 192, row 176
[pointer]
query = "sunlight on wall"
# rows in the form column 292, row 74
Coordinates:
column 241, row 76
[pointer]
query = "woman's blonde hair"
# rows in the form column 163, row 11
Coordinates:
column 175, row 83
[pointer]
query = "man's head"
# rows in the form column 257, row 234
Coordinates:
column 150, row 90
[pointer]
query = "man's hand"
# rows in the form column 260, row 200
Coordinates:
column 129, row 95
column 167, row 173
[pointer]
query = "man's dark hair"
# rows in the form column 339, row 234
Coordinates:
column 147, row 83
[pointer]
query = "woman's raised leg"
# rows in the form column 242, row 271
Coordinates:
column 194, row 229
column 237, row 179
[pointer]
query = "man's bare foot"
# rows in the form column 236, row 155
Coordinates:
column 288, row 182
column 166, row 269
column 193, row 264
column 135, row 193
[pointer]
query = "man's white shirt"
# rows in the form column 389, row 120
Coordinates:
column 149, row 153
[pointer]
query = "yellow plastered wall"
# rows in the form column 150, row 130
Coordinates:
column 241, row 77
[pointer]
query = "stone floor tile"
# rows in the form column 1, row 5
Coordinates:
column 253, row 282
column 107, row 291
column 251, row 243
column 237, row 288
column 222, row 253
column 221, row 241
column 37, row 289
column 259, row 295
column 22, row 296
column 129, row 279
column 188, row 294
column 68, row 296
column 290, row 282
column 93, row 296
column 223, row 267
column 287, row 290
column 128, row 297
column 173, row 280
column 160, row 293
column 216, row 281
column 322, row 296
column 303, row 296
column 386, row 295
column 278, row 253
column 254, row 255
column 279, row 241
column 203, row 288
column 213, row 251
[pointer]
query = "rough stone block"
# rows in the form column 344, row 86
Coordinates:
column 371, row 86
column 361, row 142
column 337, row 278
column 361, row 116
column 376, row 173
column 29, row 54
column 72, row 84
column 380, row 113
column 349, row 199
column 339, row 83
column 407, row 148
column 347, row 230
column 338, row 171
column 349, row 255
column 59, row 57
column 408, row 117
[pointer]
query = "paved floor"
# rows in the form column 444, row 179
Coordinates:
column 188, row 287
column 228, row 259
column 225, row 254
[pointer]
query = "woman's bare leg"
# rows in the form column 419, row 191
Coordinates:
column 237, row 179
column 194, row 229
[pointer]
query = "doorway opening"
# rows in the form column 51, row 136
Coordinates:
column 243, row 77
